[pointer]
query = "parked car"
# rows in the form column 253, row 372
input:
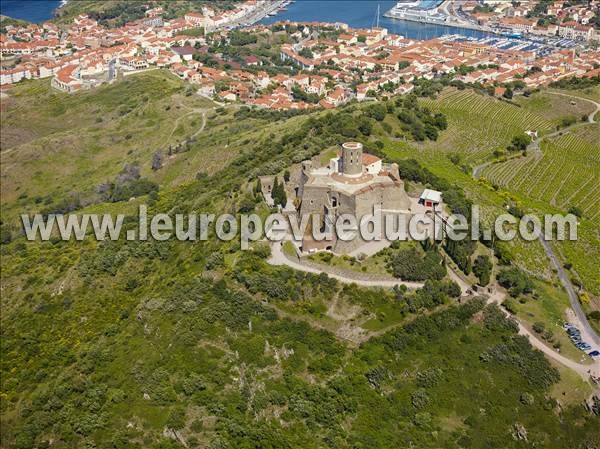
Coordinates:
column 594, row 354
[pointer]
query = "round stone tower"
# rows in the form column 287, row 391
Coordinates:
column 352, row 158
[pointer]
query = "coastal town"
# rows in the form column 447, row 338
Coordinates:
column 315, row 64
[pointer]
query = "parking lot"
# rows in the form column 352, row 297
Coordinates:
column 575, row 336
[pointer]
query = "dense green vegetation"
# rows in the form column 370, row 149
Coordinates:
column 156, row 344
column 410, row 265
column 576, row 83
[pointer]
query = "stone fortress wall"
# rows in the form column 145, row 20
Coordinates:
column 346, row 187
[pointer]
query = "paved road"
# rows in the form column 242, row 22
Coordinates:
column 587, row 332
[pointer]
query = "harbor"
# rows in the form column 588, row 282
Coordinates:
column 444, row 14
column 434, row 13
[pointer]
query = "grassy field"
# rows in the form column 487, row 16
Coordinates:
column 375, row 264
column 549, row 308
column 75, row 142
column 555, row 107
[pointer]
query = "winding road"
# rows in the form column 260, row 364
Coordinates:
column 587, row 332
column 278, row 258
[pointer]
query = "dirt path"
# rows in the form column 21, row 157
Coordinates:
column 585, row 371
column 497, row 296
column 535, row 145
column 592, row 116
column 279, row 258
column 202, row 111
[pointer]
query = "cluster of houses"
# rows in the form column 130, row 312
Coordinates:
column 349, row 63
column 386, row 64
column 75, row 55
column 561, row 18
column 363, row 63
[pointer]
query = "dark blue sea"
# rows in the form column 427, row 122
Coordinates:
column 363, row 14
column 36, row 11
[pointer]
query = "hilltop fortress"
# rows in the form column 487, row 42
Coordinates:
column 352, row 183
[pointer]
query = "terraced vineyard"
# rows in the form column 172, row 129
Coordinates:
column 479, row 124
column 566, row 174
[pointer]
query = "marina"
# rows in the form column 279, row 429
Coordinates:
column 429, row 12
column 514, row 43
column 363, row 14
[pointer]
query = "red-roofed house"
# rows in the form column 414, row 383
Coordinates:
column 67, row 79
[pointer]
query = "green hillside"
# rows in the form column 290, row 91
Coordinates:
column 177, row 344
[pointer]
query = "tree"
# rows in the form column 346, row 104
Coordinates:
column 508, row 93
column 519, row 143
column 365, row 126
column 377, row 111
column 460, row 252
column 576, row 211
column 483, row 269
column 306, row 53
column 278, row 193
column 538, row 327
column 515, row 281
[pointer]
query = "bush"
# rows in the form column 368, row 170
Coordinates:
column 519, row 143
column 411, row 265
column 538, row 327
column 576, row 211
column 515, row 281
